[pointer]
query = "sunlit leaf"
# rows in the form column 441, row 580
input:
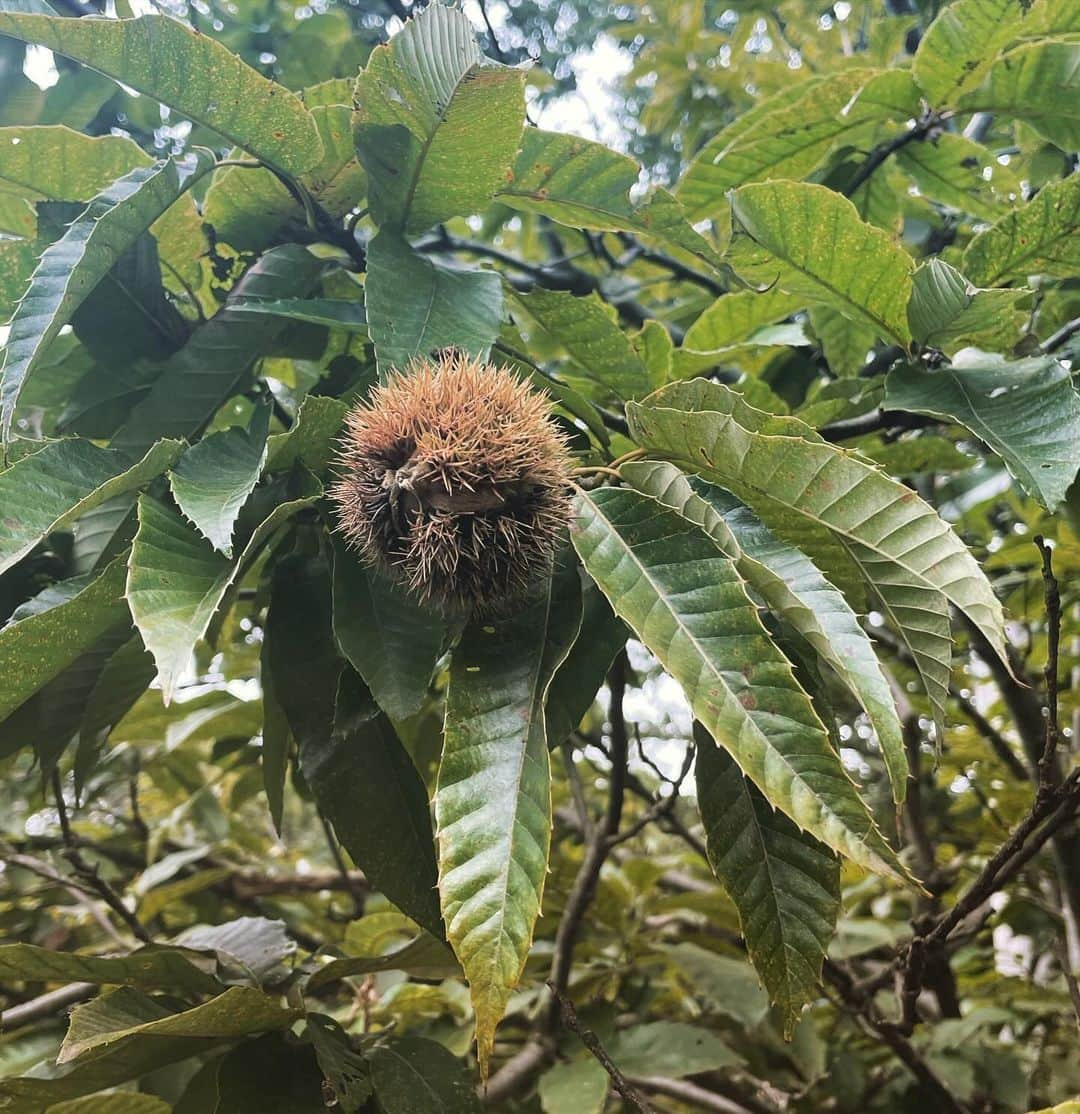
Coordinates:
column 59, row 164
column 1040, row 237
column 586, row 185
column 961, row 45
column 786, row 136
column 824, row 252
column 1039, row 83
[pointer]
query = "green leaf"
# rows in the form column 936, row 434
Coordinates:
column 270, row 1075
column 587, row 329
column 792, row 586
column 369, row 789
column 1040, row 237
column 415, row 306
column 948, row 312
column 18, row 258
column 47, row 490
column 575, row 1086
column 275, row 739
column 730, row 986
column 317, row 311
column 129, row 1013
column 311, row 438
column 1027, row 411
column 827, row 254
column 582, row 184
column 1039, row 83
column 734, row 318
column 57, row 164
column 150, row 968
column 422, row 1077
column 961, row 174
column 70, row 269
column 212, row 480
column 304, row 662
column 573, row 688
column 671, row 1048
column 175, row 582
column 425, row 956
column 346, row 1070
column 685, row 600
column 122, row 680
column 961, row 45
column 785, row 136
column 390, row 640
column 885, row 528
column 112, row 1104
column 191, row 73
column 784, row 883
column 845, row 344
column 255, row 949
column 436, row 125
column 193, row 383
column 493, row 798
column 48, row 639
column 251, row 208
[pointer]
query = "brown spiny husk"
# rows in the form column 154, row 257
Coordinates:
column 454, row 481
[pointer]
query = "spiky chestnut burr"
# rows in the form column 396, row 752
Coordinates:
column 454, row 481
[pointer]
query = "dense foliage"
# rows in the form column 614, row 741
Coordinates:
column 765, row 797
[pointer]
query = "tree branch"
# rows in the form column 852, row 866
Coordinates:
column 592, row 1043
column 89, row 874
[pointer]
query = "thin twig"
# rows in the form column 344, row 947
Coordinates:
column 1061, row 337
column 89, row 873
column 928, row 124
column 592, row 1042
column 1053, row 643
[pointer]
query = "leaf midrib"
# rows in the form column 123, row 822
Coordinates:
column 613, row 532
